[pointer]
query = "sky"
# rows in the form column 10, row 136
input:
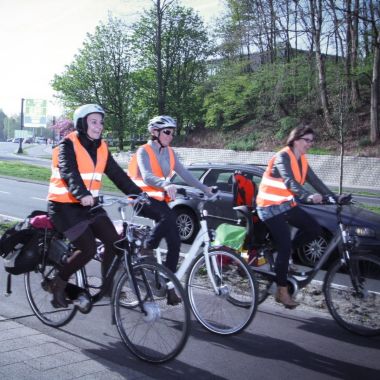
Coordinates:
column 39, row 37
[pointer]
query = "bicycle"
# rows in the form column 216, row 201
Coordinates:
column 221, row 288
column 150, row 328
column 351, row 285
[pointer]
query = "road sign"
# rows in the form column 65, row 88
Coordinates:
column 35, row 113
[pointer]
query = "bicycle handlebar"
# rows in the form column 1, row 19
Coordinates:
column 128, row 200
column 198, row 194
column 339, row 200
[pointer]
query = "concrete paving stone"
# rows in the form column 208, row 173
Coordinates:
column 74, row 370
column 19, row 371
column 109, row 375
column 57, row 360
column 6, row 324
column 24, row 342
column 14, row 333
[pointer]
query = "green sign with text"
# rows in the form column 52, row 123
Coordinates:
column 35, row 115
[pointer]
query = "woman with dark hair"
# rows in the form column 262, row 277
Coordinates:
column 280, row 189
column 78, row 164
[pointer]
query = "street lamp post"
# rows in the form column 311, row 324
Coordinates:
column 22, row 124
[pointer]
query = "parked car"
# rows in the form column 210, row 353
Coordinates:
column 17, row 139
column 29, row 140
column 41, row 140
column 365, row 224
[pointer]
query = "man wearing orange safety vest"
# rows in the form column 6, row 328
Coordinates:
column 280, row 189
column 151, row 169
column 78, row 163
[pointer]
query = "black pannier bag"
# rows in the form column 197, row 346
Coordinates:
column 19, row 246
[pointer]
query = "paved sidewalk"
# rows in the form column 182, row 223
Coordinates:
column 26, row 353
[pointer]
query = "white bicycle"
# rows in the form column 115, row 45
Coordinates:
column 220, row 285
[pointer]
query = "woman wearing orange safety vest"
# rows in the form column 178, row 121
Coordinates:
column 151, row 169
column 78, row 163
column 280, row 189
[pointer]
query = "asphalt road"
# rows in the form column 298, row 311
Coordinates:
column 279, row 344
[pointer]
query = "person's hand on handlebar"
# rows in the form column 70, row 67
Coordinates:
column 210, row 191
column 87, row 200
column 171, row 191
column 315, row 198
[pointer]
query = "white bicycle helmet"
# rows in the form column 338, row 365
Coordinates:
column 161, row 122
column 82, row 111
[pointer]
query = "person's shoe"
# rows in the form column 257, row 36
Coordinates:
column 58, row 287
column 282, row 296
column 172, row 298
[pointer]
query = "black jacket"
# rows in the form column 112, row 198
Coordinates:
column 67, row 215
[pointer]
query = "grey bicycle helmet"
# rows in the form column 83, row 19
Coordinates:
column 80, row 114
column 161, row 122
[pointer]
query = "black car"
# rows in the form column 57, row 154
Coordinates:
column 365, row 224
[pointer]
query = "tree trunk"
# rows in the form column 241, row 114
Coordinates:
column 374, row 123
column 316, row 27
column 354, row 28
column 160, row 92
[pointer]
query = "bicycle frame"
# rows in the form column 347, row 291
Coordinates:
column 202, row 237
column 339, row 240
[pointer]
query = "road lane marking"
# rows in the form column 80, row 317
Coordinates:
column 8, row 217
column 39, row 199
column 4, row 192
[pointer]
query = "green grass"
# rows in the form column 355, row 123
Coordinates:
column 38, row 173
column 4, row 225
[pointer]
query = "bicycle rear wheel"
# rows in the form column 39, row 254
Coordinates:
column 160, row 332
column 39, row 298
column 230, row 308
column 352, row 294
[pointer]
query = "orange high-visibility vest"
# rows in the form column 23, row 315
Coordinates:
column 91, row 174
column 135, row 174
column 273, row 191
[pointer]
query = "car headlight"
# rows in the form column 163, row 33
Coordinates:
column 362, row 231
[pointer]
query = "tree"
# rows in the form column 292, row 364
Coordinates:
column 172, row 43
column 102, row 73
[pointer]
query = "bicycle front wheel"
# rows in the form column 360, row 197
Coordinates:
column 39, row 297
column 153, row 330
column 352, row 292
column 231, row 306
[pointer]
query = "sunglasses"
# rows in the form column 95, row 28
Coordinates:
column 168, row 132
column 309, row 141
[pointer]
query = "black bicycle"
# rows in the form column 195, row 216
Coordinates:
column 152, row 329
column 351, row 285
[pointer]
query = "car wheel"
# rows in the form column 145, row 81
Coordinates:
column 187, row 224
column 311, row 252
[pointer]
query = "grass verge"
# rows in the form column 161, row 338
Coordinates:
column 38, row 173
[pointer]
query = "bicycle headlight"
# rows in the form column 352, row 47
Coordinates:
column 362, row 231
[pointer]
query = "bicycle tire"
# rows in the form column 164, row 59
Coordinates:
column 160, row 333
column 39, row 297
column 356, row 310
column 233, row 308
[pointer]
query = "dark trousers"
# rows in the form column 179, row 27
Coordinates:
column 101, row 228
column 308, row 230
column 165, row 228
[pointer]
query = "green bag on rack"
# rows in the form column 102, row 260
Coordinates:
column 230, row 235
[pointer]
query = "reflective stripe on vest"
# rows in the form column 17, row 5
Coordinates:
column 91, row 174
column 273, row 191
column 134, row 172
